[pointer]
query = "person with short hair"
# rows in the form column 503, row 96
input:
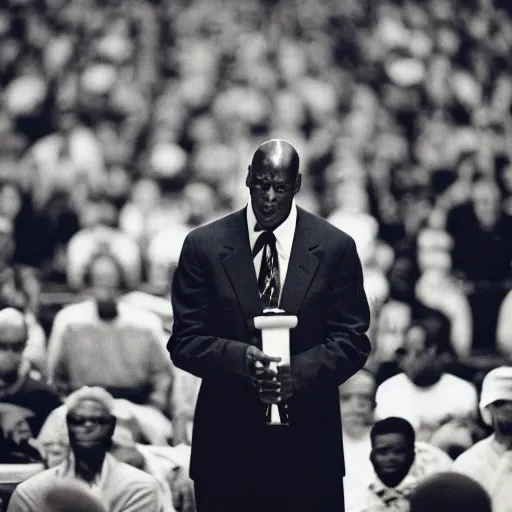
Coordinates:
column 392, row 457
column 270, row 254
column 441, row 407
column 357, row 405
column 449, row 492
column 490, row 460
column 91, row 424
column 17, row 387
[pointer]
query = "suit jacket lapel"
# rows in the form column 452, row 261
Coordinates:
column 235, row 252
column 236, row 256
column 301, row 267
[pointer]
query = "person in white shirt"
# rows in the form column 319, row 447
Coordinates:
column 357, row 405
column 392, row 457
column 91, row 424
column 490, row 460
column 440, row 406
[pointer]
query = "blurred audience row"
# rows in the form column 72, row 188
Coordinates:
column 125, row 124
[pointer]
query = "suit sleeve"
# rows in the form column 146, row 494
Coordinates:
column 346, row 346
column 191, row 347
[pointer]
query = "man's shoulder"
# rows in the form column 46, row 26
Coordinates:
column 37, row 484
column 77, row 310
column 396, row 381
column 127, row 476
column 458, row 384
column 331, row 237
column 473, row 453
column 217, row 227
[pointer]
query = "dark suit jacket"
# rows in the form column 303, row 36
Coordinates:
column 215, row 297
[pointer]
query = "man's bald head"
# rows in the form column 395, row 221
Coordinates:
column 276, row 154
column 273, row 181
column 13, row 340
column 12, row 325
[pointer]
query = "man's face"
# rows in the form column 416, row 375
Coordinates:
column 417, row 360
column 105, row 274
column 90, row 426
column 391, row 456
column 272, row 191
column 12, row 345
column 501, row 414
column 357, row 402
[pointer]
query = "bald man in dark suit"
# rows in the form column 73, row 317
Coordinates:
column 225, row 277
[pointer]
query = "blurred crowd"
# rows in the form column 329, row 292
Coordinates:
column 124, row 124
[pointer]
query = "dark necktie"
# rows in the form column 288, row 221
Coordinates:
column 268, row 279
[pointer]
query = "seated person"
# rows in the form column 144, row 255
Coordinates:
column 441, row 407
column 91, row 424
column 489, row 461
column 16, row 385
column 357, row 405
column 113, row 344
column 392, row 457
column 98, row 233
column 16, row 437
column 176, row 487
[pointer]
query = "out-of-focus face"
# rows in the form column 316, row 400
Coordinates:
column 417, row 360
column 10, row 201
column 21, row 432
column 357, row 402
column 105, row 274
column 272, row 191
column 90, row 426
column 507, row 177
column 486, row 201
column 391, row 456
column 501, row 414
column 146, row 194
column 12, row 345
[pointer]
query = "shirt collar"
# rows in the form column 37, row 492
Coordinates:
column 284, row 232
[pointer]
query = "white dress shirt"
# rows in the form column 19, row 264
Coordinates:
column 284, row 234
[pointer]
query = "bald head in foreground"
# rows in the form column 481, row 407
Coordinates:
column 448, row 492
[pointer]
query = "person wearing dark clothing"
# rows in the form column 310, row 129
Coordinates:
column 311, row 270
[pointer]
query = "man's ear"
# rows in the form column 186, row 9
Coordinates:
column 298, row 183
column 248, row 177
column 372, row 458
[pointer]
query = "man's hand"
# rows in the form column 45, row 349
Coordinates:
column 182, row 490
column 263, row 378
column 258, row 364
column 284, row 376
column 273, row 387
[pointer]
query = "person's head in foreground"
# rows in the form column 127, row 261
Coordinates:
column 449, row 491
column 71, row 496
column 393, row 449
column 91, row 423
column 357, row 403
column 13, row 339
column 496, row 402
column 273, row 180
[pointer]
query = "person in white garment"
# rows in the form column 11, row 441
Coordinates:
column 440, row 406
column 490, row 460
column 357, row 405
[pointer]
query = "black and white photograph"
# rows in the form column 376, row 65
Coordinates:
column 255, row 256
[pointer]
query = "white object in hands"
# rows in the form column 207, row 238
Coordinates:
column 275, row 327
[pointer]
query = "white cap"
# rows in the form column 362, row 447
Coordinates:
column 497, row 385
